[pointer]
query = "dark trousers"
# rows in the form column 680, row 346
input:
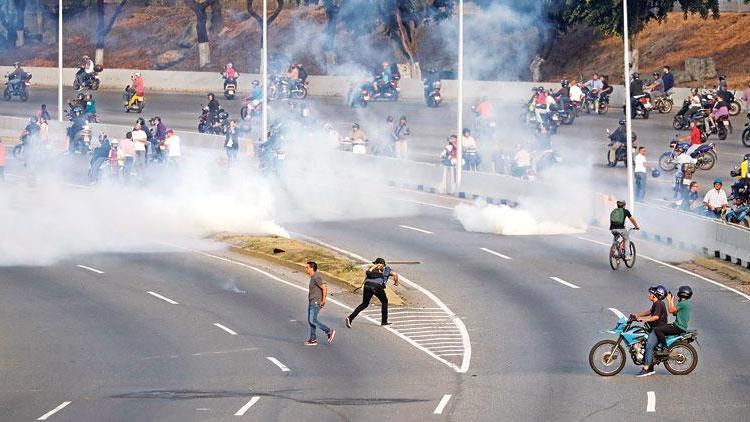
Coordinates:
column 666, row 330
column 367, row 292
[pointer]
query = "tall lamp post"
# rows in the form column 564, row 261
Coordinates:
column 628, row 105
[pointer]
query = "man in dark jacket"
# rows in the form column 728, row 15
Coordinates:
column 667, row 79
column 376, row 278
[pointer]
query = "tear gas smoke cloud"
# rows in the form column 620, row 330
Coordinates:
column 502, row 219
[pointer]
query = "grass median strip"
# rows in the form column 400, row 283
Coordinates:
column 293, row 254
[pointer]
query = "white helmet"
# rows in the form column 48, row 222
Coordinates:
column 229, row 64
column 137, row 74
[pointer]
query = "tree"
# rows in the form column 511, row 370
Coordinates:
column 20, row 14
column 199, row 7
column 259, row 16
column 606, row 16
column 104, row 30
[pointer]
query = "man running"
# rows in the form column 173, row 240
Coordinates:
column 317, row 293
column 376, row 278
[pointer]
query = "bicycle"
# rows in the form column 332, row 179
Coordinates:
column 617, row 252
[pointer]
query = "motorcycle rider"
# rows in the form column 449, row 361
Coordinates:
column 43, row 113
column 719, row 110
column 636, row 89
column 544, row 104
column 694, row 137
column 562, row 96
column 619, row 139
column 230, row 75
column 17, row 76
column 213, row 108
column 656, row 317
column 99, row 156
column 138, row 88
column 90, row 105
column 741, row 188
column 383, row 78
column 617, row 224
column 292, row 75
column 576, row 93
column 256, row 93
column 681, row 313
column 86, row 72
column 595, row 84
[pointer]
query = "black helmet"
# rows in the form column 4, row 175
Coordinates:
column 746, row 157
column 659, row 291
column 684, row 292
column 657, row 74
column 722, row 77
column 355, row 126
column 621, row 203
column 636, row 75
column 565, row 83
column 622, row 122
column 655, row 173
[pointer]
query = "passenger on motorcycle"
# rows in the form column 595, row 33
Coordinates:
column 138, row 88
column 595, row 84
column 90, row 107
column 667, row 78
column 563, row 94
column 292, row 75
column 576, row 93
column 720, row 109
column 544, row 104
column 617, row 224
column 230, row 75
column 716, row 199
column 656, row 317
column 681, row 312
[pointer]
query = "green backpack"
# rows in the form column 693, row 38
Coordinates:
column 617, row 216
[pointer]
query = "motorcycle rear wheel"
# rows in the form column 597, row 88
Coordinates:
column 243, row 113
column 300, row 93
column 611, row 163
column 707, row 161
column 24, row 95
column 665, row 106
column 570, row 118
column 612, row 358
column 95, row 84
column 603, row 108
column 683, row 358
column 677, row 124
column 722, row 132
column 273, row 92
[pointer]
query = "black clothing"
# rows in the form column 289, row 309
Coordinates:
column 658, row 308
column 668, row 80
column 666, row 330
column 213, row 106
column 619, row 136
column 368, row 291
column 564, row 92
column 232, row 135
column 636, row 87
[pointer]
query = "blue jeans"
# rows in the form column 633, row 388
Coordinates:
column 313, row 309
column 650, row 344
column 640, row 186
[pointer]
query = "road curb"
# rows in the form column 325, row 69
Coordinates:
column 728, row 269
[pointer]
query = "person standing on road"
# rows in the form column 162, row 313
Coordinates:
column 667, row 79
column 232, row 142
column 640, row 170
column 400, row 133
column 376, row 278
column 140, row 139
column 172, row 145
column 657, row 317
column 127, row 147
column 449, row 159
column 316, row 297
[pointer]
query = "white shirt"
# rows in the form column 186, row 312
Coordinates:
column 139, row 139
column 173, row 146
column 640, row 164
column 469, row 143
column 716, row 198
column 576, row 94
column 523, row 158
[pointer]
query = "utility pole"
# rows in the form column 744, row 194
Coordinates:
column 628, row 105
column 460, row 119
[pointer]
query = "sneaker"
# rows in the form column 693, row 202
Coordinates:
column 645, row 372
column 311, row 343
column 348, row 322
column 385, row 323
column 331, row 334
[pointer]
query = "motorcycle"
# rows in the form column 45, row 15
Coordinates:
column 80, row 141
column 642, row 106
column 360, row 95
column 620, row 152
column 705, row 154
column 608, row 358
column 664, row 103
column 137, row 105
column 603, row 103
column 432, row 96
column 84, row 81
column 20, row 89
column 250, row 108
column 746, row 132
column 282, row 87
column 230, row 88
column 219, row 124
column 566, row 114
column 740, row 214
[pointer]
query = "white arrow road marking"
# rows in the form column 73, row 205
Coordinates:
column 441, row 406
column 53, row 411
column 247, row 406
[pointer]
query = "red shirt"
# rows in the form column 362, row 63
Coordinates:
column 695, row 136
column 2, row 155
column 541, row 99
column 231, row 73
column 138, row 85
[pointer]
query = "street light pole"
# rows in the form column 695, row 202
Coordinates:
column 628, row 105
column 264, row 74
column 59, row 61
column 460, row 119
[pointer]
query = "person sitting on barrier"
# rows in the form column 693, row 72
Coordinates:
column 715, row 199
column 690, row 200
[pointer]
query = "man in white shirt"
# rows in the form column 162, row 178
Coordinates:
column 172, row 143
column 576, row 93
column 140, row 139
column 716, row 199
column 639, row 168
column 521, row 162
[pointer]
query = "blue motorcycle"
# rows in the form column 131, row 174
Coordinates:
column 739, row 215
column 705, row 154
column 607, row 357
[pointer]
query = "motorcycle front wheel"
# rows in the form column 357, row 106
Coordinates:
column 683, row 358
column 677, row 124
column 722, row 132
column 746, row 138
column 95, row 84
column 666, row 163
column 707, row 161
column 300, row 93
column 243, row 113
column 607, row 358
column 734, row 108
column 603, row 108
column 6, row 94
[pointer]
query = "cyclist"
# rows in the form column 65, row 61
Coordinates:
column 657, row 317
column 617, row 225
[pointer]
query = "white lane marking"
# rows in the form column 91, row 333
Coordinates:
column 164, row 298
column 651, row 405
column 93, row 270
column 490, row 251
column 466, row 361
column 616, row 312
column 441, row 406
column 247, row 406
column 377, row 312
column 415, row 229
column 231, row 332
column 276, row 362
column 53, row 411
column 682, row 270
column 563, row 282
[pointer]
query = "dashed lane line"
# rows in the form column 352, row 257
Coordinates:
column 441, row 406
column 415, row 229
column 93, row 270
column 247, row 406
column 491, row 252
column 164, row 298
column 651, row 403
column 231, row 332
column 276, row 362
column 565, row 283
column 46, row 416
